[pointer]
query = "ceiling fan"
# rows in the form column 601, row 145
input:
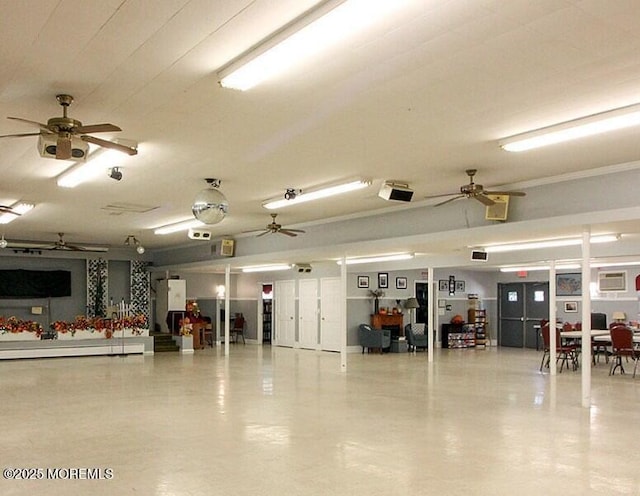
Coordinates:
column 60, row 245
column 4, row 209
column 476, row 191
column 274, row 227
column 62, row 131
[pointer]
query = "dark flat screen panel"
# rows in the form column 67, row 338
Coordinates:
column 21, row 283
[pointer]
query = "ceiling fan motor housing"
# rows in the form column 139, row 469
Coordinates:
column 47, row 145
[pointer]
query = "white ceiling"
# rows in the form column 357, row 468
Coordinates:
column 418, row 98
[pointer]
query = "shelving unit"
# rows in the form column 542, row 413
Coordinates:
column 477, row 317
column 458, row 336
column 466, row 338
column 267, row 314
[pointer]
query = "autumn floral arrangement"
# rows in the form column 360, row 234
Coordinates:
column 98, row 324
column 14, row 325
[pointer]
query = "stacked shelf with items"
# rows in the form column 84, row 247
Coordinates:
column 478, row 317
column 465, row 338
column 267, row 313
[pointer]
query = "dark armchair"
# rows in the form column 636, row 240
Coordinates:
column 415, row 341
column 369, row 338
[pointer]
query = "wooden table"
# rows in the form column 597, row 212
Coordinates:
column 578, row 334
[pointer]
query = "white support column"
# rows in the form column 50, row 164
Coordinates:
column 553, row 369
column 227, row 285
column 343, row 315
column 430, row 314
column 586, row 317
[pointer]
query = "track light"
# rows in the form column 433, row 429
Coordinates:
column 132, row 240
column 291, row 194
column 115, row 173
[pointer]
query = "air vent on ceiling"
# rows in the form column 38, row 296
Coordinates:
column 612, row 281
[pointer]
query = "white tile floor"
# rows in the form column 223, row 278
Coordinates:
column 282, row 421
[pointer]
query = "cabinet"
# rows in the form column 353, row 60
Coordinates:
column 267, row 320
column 478, row 318
column 393, row 322
column 458, row 336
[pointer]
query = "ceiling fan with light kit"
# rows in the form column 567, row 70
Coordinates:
column 64, row 138
column 273, row 227
column 58, row 245
column 475, row 191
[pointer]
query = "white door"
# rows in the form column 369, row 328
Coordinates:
column 330, row 308
column 285, row 297
column 308, row 313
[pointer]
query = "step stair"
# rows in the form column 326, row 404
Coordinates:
column 163, row 343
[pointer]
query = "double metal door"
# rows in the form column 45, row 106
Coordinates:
column 521, row 307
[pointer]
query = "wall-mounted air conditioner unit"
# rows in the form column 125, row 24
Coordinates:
column 612, row 281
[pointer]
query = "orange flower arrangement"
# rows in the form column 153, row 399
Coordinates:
column 14, row 325
column 98, row 324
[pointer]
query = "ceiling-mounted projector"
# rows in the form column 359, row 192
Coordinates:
column 47, row 144
column 392, row 190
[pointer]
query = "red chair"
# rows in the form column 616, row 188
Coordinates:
column 622, row 346
column 565, row 353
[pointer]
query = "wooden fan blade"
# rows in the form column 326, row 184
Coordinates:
column 505, row 193
column 262, row 234
column 34, row 123
column 109, row 144
column 8, row 210
column 485, row 200
column 287, row 232
column 430, row 197
column 96, row 128
column 449, row 200
column 20, row 135
column 295, row 230
column 63, row 147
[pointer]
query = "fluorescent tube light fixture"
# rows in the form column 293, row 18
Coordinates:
column 594, row 264
column 533, row 268
column 178, row 226
column 549, row 243
column 95, row 166
column 580, row 128
column 302, row 196
column 266, row 268
column 318, row 29
column 378, row 258
column 19, row 208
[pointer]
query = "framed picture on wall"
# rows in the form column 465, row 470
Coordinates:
column 571, row 306
column 401, row 283
column 363, row 281
column 383, row 280
column 569, row 284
